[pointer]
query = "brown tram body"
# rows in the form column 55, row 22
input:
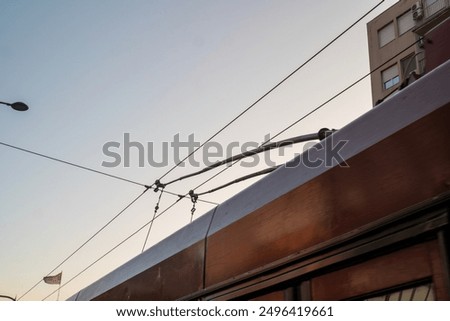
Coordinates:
column 330, row 232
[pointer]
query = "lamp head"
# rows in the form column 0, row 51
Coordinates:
column 19, row 106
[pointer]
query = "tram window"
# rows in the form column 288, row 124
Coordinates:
column 389, row 271
column 417, row 293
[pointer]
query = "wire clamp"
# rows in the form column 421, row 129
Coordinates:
column 159, row 200
column 159, row 185
column 325, row 132
column 194, row 198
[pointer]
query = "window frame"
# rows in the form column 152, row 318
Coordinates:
column 400, row 33
column 392, row 81
column 391, row 23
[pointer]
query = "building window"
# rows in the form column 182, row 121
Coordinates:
column 408, row 65
column 390, row 77
column 386, row 34
column 405, row 22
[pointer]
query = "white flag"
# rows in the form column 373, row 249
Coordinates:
column 53, row 279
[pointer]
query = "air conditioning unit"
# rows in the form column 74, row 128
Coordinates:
column 417, row 10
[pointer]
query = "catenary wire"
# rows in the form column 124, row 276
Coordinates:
column 314, row 110
column 345, row 89
column 272, row 89
column 115, row 247
column 72, row 164
column 185, row 196
column 154, row 214
column 180, row 197
column 218, row 132
column 227, row 125
column 89, row 239
column 101, row 229
column 124, row 240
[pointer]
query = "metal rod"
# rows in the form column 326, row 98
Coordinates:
column 265, row 147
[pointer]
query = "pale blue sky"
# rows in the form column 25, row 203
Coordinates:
column 94, row 70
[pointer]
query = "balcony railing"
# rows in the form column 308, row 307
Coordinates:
column 431, row 14
column 433, row 7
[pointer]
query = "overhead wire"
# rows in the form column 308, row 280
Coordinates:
column 180, row 197
column 123, row 241
column 313, row 110
column 72, row 164
column 345, row 89
column 90, row 169
column 100, row 230
column 132, row 235
column 185, row 196
column 88, row 240
column 271, row 90
column 115, row 247
column 94, row 171
column 154, row 214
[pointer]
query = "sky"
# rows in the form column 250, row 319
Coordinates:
column 97, row 72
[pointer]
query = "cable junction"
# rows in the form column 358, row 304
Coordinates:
column 159, row 188
column 194, row 198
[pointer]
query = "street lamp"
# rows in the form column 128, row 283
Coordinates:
column 19, row 106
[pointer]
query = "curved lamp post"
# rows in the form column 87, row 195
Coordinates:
column 7, row 297
column 19, row 106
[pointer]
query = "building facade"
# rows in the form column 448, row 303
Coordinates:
column 399, row 43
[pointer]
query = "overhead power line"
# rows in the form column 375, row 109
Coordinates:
column 88, row 240
column 114, row 248
column 345, row 89
column 314, row 110
column 180, row 197
column 101, row 229
column 272, row 89
column 72, row 164
column 185, row 196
